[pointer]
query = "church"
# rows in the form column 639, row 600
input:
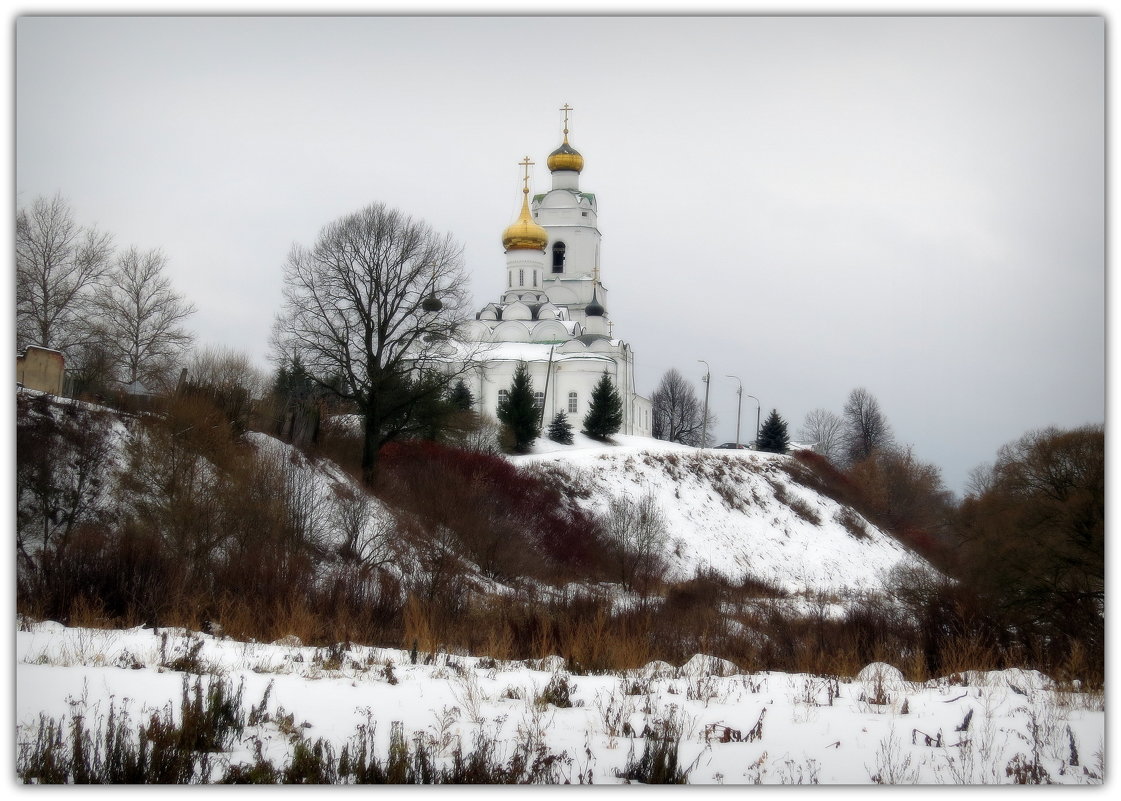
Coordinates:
column 554, row 312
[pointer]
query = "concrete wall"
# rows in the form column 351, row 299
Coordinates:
column 41, row 369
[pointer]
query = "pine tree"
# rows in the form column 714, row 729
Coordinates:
column 460, row 397
column 605, row 412
column 560, row 430
column 772, row 436
column 519, row 412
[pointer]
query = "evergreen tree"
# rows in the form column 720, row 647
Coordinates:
column 772, row 436
column 460, row 397
column 605, row 412
column 560, row 430
column 519, row 412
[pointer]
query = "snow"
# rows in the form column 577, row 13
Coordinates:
column 729, row 511
column 724, row 512
column 737, row 728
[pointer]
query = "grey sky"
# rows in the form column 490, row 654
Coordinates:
column 914, row 205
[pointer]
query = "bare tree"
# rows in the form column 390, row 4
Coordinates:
column 636, row 533
column 364, row 534
column 59, row 264
column 141, row 319
column 866, row 428
column 677, row 413
column 227, row 368
column 64, row 459
column 825, row 431
column 368, row 309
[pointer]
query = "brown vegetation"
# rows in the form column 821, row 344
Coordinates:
column 197, row 527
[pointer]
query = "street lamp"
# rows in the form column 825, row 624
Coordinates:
column 758, row 406
column 739, row 407
column 704, row 428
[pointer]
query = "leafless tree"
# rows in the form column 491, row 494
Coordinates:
column 63, row 469
column 364, row 534
column 678, row 415
column 368, row 310
column 636, row 534
column 59, row 264
column 825, row 431
column 226, row 368
column 141, row 319
column 866, row 428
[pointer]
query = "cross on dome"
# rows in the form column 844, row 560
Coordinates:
column 524, row 233
column 565, row 157
column 525, row 163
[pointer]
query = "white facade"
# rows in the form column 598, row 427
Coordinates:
column 553, row 313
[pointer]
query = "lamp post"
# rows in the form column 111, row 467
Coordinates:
column 758, row 406
column 739, row 407
column 704, row 427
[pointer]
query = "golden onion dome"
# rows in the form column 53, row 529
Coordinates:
column 524, row 233
column 565, row 157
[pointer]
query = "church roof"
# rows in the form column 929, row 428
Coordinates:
column 588, row 196
column 565, row 157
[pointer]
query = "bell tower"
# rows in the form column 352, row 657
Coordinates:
column 570, row 216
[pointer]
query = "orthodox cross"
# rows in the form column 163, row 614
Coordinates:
column 566, row 108
column 526, row 163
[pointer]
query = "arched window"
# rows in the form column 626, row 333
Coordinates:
column 521, row 277
column 503, row 396
column 572, row 403
column 558, row 257
column 539, row 399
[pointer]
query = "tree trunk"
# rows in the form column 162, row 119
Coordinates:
column 371, row 424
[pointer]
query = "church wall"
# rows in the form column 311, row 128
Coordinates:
column 568, row 375
column 580, row 250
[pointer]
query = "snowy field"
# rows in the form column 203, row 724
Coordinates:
column 730, row 728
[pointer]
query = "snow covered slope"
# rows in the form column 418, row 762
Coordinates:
column 738, row 513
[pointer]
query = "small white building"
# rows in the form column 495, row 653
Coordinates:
column 553, row 314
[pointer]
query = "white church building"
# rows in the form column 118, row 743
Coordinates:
column 553, row 314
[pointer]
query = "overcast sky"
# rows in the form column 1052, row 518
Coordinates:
column 912, row 205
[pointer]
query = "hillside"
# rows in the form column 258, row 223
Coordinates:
column 478, row 620
column 738, row 513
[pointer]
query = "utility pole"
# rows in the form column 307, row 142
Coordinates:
column 739, row 407
column 758, row 406
column 704, row 428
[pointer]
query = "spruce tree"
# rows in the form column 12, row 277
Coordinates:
column 772, row 436
column 519, row 412
column 460, row 397
column 605, row 412
column 560, row 430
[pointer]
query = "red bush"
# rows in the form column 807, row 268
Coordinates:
column 467, row 489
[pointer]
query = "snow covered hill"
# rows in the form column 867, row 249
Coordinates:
column 739, row 513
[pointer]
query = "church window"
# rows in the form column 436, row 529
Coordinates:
column 503, row 396
column 539, row 399
column 558, row 257
column 572, row 403
column 535, row 277
column 521, row 277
